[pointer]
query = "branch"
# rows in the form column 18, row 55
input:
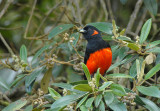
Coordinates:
column 29, row 21
column 5, row 8
column 48, row 13
column 134, row 16
column 104, row 8
column 5, row 43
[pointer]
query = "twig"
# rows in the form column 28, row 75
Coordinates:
column 14, row 28
column 45, row 18
column 78, row 11
column 110, row 9
column 5, row 8
column 133, row 16
column 29, row 21
column 5, row 43
column 104, row 9
column 141, row 22
column 77, row 52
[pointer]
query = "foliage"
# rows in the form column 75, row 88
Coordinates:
column 51, row 75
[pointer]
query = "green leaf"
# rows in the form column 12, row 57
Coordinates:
column 132, row 70
column 119, row 76
column 105, row 85
column 127, row 59
column 152, row 72
column 103, row 26
column 89, row 102
column 107, row 37
column 4, row 85
column 29, row 108
column 83, row 108
column 19, row 78
column 149, row 91
column 152, row 6
column 117, row 105
column 102, row 106
column 46, row 80
column 65, row 100
column 118, row 90
column 122, row 52
column 59, row 29
column 151, row 106
column 81, row 101
column 55, row 95
column 124, row 38
column 108, row 97
column 123, row 1
column 133, row 46
column 152, row 44
column 145, row 31
column 23, row 53
column 30, row 78
column 97, row 100
column 15, row 105
column 63, row 85
column 83, row 87
column 97, row 77
column 79, row 82
column 86, row 71
column 39, row 52
column 154, row 50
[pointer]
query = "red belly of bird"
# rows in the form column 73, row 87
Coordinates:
column 100, row 59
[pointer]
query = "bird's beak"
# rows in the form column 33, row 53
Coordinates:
column 82, row 31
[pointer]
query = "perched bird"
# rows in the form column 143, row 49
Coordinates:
column 98, row 53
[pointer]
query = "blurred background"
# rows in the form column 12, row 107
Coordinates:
column 18, row 26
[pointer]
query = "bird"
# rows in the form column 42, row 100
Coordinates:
column 98, row 53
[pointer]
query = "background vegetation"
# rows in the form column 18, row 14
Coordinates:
column 41, row 55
